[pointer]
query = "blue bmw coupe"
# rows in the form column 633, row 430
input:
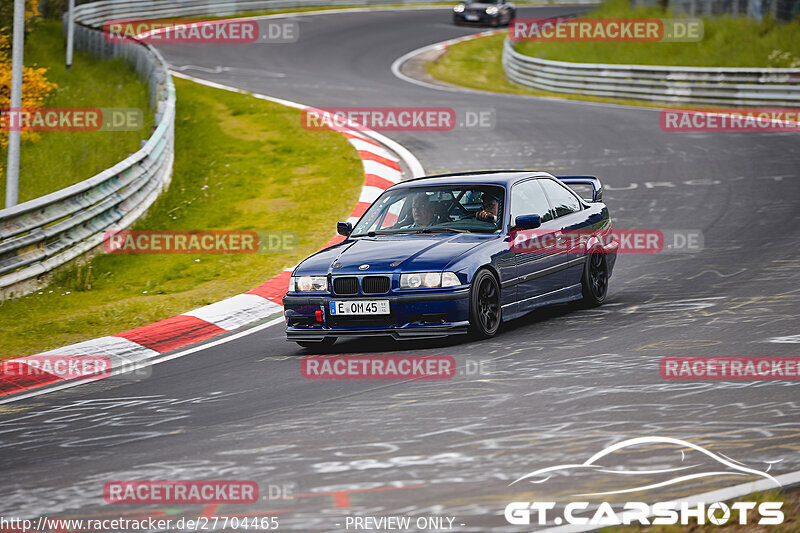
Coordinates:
column 451, row 254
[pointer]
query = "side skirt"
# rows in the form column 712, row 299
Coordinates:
column 563, row 295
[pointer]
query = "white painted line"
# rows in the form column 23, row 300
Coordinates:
column 230, row 313
column 413, row 164
column 397, row 65
column 145, row 363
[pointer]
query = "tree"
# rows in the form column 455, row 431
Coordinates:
column 35, row 86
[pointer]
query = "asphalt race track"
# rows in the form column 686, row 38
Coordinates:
column 557, row 386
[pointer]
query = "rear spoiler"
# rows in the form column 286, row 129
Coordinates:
column 593, row 182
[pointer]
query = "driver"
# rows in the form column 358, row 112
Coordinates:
column 422, row 211
column 489, row 207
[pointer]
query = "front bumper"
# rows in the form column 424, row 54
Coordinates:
column 480, row 18
column 418, row 315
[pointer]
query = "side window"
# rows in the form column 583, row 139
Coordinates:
column 527, row 198
column 564, row 202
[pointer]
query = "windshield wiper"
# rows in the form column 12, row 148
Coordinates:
column 413, row 231
column 443, row 230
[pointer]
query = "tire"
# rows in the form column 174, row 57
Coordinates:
column 485, row 312
column 511, row 16
column 327, row 342
column 595, row 279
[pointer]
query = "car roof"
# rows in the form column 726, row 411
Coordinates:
column 503, row 178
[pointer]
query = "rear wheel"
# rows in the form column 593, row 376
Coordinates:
column 595, row 278
column 327, row 342
column 484, row 305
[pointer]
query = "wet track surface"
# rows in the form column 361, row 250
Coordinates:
column 562, row 383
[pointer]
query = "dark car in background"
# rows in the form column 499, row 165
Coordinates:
column 437, row 256
column 486, row 12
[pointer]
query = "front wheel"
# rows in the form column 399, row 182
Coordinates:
column 511, row 16
column 595, row 279
column 484, row 305
column 327, row 342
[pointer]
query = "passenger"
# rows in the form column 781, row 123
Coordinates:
column 489, row 208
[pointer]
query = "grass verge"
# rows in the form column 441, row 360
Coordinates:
column 61, row 158
column 768, row 44
column 476, row 63
column 241, row 163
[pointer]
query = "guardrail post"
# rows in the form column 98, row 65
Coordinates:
column 12, row 173
column 70, row 32
column 42, row 234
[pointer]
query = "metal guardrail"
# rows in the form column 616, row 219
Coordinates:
column 96, row 13
column 693, row 85
column 42, row 234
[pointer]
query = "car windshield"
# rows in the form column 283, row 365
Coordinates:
column 435, row 209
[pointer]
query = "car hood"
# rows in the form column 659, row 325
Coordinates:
column 391, row 253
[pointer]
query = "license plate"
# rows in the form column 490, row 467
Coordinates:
column 472, row 17
column 360, row 307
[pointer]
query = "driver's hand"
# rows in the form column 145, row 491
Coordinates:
column 485, row 216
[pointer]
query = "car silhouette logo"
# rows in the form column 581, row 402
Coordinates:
column 363, row 267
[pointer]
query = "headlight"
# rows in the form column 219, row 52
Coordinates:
column 428, row 280
column 491, row 10
column 459, row 8
column 308, row 284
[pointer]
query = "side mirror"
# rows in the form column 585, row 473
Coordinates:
column 344, row 228
column 527, row 222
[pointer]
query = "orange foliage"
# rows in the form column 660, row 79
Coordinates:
column 35, row 86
